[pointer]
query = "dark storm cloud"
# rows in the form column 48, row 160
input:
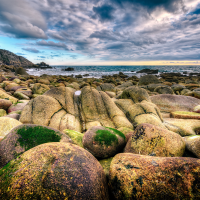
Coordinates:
column 104, row 12
column 32, row 50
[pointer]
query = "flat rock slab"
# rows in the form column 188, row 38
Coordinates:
column 171, row 103
column 185, row 115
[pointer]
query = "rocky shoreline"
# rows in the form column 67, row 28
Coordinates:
column 116, row 137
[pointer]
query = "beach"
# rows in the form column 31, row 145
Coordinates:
column 137, row 135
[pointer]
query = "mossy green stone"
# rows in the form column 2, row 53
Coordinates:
column 75, row 136
column 117, row 132
column 33, row 136
column 105, row 137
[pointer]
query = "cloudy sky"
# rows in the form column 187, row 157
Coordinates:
column 97, row 32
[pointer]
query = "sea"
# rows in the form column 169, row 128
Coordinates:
column 99, row 71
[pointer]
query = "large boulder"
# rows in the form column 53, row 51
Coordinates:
column 148, row 79
column 103, row 142
column 54, row 171
column 6, row 124
column 164, row 90
column 24, row 137
column 107, row 87
column 170, row 103
column 40, row 110
column 136, row 105
column 134, row 176
column 152, row 140
column 98, row 109
column 135, row 93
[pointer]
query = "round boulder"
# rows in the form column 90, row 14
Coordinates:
column 5, row 104
column 103, row 142
column 163, row 90
column 135, row 176
column 24, row 137
column 152, row 140
column 148, row 79
column 54, row 171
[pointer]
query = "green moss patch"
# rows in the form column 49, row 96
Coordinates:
column 118, row 132
column 186, row 113
column 6, row 174
column 75, row 136
column 105, row 137
column 33, row 136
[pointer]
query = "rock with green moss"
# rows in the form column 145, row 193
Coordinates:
column 193, row 144
column 152, row 140
column 24, row 137
column 103, row 142
column 134, row 176
column 185, row 115
column 54, row 171
column 75, row 136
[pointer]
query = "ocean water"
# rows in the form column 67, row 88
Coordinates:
column 99, row 71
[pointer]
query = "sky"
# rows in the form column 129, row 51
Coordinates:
column 102, row 32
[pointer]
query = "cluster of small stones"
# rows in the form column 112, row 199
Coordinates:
column 117, row 137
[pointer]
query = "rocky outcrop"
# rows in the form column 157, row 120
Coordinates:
column 61, row 108
column 9, row 58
